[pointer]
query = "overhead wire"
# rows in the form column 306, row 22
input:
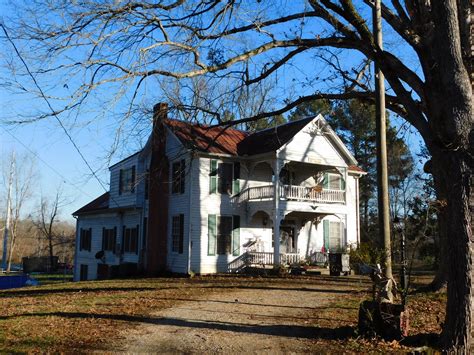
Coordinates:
column 65, row 180
column 76, row 147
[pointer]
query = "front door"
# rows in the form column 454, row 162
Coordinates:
column 287, row 239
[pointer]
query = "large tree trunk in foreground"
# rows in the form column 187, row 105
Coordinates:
column 457, row 329
column 449, row 99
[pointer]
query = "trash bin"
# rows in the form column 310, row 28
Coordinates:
column 339, row 263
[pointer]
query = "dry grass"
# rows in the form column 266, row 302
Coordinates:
column 90, row 315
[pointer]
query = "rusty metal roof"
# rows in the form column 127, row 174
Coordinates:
column 218, row 140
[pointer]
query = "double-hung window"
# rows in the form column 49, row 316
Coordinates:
column 109, row 239
column 333, row 182
column 127, row 180
column 223, row 235
column 332, row 235
column 86, row 239
column 177, row 234
column 130, row 240
column 224, row 177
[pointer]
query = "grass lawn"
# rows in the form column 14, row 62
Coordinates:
column 92, row 315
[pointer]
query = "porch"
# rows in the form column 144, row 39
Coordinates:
column 265, row 260
column 291, row 193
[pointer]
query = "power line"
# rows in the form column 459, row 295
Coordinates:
column 45, row 163
column 54, row 112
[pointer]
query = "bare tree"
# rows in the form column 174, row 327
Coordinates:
column 320, row 48
column 46, row 221
column 21, row 191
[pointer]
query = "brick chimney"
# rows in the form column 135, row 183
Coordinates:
column 158, row 200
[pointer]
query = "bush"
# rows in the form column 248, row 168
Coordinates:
column 366, row 253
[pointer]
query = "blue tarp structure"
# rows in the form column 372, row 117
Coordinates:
column 13, row 281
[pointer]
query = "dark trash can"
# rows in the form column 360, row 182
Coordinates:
column 339, row 263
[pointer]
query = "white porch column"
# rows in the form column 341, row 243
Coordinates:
column 276, row 213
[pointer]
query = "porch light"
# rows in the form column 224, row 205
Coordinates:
column 264, row 221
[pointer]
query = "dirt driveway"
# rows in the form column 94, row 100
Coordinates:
column 276, row 318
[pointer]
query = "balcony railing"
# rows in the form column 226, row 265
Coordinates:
column 291, row 193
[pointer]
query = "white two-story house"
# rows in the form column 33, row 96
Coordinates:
column 196, row 199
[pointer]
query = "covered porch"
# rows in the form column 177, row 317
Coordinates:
column 299, row 237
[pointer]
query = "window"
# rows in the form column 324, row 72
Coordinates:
column 109, row 239
column 127, row 180
column 130, row 240
column 86, row 237
column 333, row 182
column 178, row 177
column 177, row 234
column 224, row 177
column 224, row 235
column 332, row 235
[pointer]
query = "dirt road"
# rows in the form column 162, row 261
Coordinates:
column 275, row 319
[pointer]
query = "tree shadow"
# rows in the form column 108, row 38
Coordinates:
column 238, row 302
column 48, row 291
column 282, row 330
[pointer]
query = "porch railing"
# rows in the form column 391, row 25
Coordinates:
column 293, row 193
column 252, row 258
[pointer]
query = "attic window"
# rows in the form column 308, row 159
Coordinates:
column 127, row 180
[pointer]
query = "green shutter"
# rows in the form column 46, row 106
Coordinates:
column 236, row 235
column 326, row 234
column 212, row 234
column 326, row 181
column 213, row 177
column 343, row 183
column 236, row 182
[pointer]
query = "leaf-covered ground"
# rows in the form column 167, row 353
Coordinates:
column 98, row 315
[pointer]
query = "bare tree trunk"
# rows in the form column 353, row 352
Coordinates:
column 456, row 175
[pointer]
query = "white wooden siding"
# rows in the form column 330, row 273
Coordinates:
column 310, row 147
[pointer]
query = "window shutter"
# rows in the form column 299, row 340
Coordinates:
column 123, row 240
column 132, row 188
column 213, row 177
column 136, row 238
column 182, row 176
column 115, row 239
column 236, row 182
column 326, row 235
column 89, row 240
column 103, row 238
column 212, row 234
column 181, row 233
column 81, row 239
column 326, row 181
column 343, row 183
column 236, row 236
column 120, row 181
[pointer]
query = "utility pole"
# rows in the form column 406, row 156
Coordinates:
column 7, row 222
column 382, row 173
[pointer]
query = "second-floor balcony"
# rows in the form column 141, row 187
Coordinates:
column 292, row 193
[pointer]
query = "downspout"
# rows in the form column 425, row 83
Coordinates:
column 190, row 211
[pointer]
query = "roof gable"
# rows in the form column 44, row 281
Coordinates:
column 321, row 135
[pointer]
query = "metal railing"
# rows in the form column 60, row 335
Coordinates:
column 293, row 193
